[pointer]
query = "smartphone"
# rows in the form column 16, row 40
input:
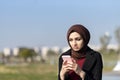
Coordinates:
column 67, row 58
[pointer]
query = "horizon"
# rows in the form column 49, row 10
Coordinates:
column 64, row 48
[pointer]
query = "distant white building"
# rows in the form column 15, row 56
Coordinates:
column 56, row 49
column 95, row 47
column 112, row 46
column 37, row 50
column 44, row 51
column 15, row 51
column 7, row 51
column 64, row 49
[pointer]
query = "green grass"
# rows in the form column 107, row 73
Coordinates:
column 39, row 71
column 109, row 61
column 29, row 72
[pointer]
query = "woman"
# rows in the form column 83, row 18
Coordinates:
column 86, row 64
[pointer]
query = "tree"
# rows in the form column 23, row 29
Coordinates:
column 26, row 53
column 117, row 35
column 105, row 39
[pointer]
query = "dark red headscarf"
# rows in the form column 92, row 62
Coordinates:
column 86, row 37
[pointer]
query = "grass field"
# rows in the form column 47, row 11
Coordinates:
column 109, row 61
column 39, row 71
column 29, row 72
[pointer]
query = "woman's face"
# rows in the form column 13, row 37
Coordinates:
column 76, row 41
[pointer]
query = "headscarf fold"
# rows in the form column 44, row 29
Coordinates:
column 85, row 34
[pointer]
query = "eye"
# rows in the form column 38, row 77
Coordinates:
column 70, row 39
column 78, row 39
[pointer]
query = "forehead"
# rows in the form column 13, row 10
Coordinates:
column 74, row 34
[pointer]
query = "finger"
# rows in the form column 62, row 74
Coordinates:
column 67, row 68
column 64, row 62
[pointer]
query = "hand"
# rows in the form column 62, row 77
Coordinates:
column 76, row 68
column 66, row 67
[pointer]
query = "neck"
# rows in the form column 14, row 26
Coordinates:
column 79, row 54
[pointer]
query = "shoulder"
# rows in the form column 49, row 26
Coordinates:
column 97, row 57
column 94, row 53
column 97, row 54
column 92, row 57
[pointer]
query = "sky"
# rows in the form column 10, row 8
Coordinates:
column 39, row 23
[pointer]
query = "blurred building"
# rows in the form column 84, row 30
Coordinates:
column 56, row 49
column 95, row 47
column 64, row 49
column 15, row 51
column 44, row 51
column 37, row 50
column 7, row 52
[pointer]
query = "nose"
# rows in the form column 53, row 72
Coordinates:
column 74, row 42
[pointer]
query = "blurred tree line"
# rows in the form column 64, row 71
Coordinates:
column 27, row 55
column 105, row 40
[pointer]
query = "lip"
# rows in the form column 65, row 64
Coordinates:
column 75, row 48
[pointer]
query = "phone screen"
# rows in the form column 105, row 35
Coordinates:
column 67, row 58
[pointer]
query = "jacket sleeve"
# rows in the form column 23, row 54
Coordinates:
column 95, row 72
column 59, row 66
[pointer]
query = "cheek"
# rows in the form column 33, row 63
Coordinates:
column 70, row 43
column 80, row 44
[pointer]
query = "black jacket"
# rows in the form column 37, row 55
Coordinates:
column 92, row 66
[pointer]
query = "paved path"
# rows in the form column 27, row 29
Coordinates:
column 113, row 73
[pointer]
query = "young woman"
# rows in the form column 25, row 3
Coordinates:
column 86, row 64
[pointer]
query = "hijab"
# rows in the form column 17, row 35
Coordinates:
column 83, row 31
